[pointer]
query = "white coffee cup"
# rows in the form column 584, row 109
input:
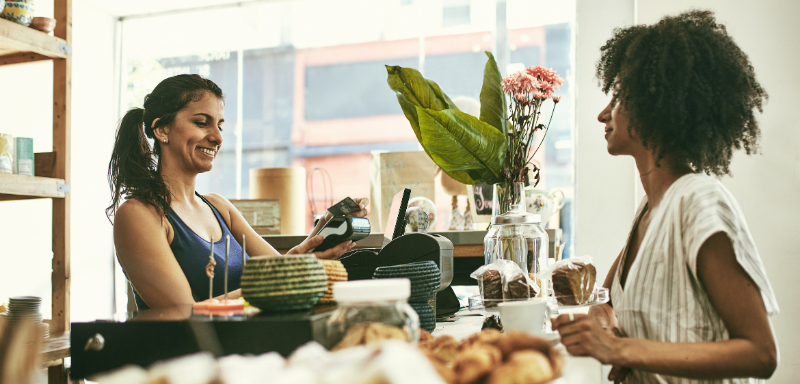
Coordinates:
column 527, row 315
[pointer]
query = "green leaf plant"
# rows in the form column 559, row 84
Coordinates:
column 460, row 143
column 470, row 150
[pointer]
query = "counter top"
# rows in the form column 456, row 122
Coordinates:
column 465, row 243
column 577, row 370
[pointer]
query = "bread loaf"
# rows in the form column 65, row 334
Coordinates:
column 573, row 284
column 491, row 286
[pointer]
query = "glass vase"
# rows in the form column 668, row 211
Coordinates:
column 508, row 197
column 515, row 234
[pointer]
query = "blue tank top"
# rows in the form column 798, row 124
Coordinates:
column 192, row 251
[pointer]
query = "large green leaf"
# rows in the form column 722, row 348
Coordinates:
column 493, row 100
column 413, row 90
column 469, row 150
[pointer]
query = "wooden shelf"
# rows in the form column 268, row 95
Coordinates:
column 16, row 187
column 54, row 349
column 20, row 44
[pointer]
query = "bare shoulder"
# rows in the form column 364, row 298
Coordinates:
column 219, row 201
column 134, row 210
column 135, row 216
column 223, row 205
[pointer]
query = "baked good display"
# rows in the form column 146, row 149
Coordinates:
column 493, row 357
column 476, row 362
column 491, row 286
column 573, row 284
column 369, row 332
column 523, row 367
column 517, row 287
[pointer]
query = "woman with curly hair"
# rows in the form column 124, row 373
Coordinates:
column 690, row 299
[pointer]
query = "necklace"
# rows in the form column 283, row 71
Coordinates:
column 648, row 172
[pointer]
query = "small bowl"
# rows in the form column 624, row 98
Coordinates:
column 18, row 12
column 44, row 24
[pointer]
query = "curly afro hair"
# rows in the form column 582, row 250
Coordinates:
column 689, row 90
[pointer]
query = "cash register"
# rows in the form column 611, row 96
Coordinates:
column 404, row 248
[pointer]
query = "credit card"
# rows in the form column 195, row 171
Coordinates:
column 344, row 207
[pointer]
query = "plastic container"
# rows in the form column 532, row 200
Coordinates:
column 382, row 300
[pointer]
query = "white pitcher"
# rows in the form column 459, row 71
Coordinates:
column 540, row 201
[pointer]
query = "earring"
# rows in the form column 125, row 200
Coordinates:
column 165, row 141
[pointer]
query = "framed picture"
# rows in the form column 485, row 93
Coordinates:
column 480, row 202
column 264, row 215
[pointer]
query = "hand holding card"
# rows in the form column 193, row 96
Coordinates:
column 346, row 224
column 344, row 207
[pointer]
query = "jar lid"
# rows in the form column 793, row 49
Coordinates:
column 371, row 290
column 521, row 218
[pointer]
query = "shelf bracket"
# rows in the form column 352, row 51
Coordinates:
column 66, row 188
column 65, row 48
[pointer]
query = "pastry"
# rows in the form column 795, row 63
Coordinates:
column 523, row 367
column 425, row 337
column 492, row 322
column 486, row 336
column 519, row 340
column 446, row 347
column 556, row 361
column 476, row 362
column 491, row 286
column 378, row 331
column 353, row 337
column 574, row 284
column 366, row 333
column 442, row 367
column 517, row 288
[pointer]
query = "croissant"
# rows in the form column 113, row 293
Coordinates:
column 476, row 362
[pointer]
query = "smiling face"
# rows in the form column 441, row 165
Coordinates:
column 194, row 136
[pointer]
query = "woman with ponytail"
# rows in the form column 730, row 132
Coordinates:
column 165, row 260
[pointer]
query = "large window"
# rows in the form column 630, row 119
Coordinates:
column 305, row 81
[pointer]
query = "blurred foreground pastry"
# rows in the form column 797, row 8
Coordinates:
column 493, row 357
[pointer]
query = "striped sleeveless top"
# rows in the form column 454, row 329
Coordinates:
column 192, row 251
column 663, row 299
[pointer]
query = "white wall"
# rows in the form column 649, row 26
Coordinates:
column 604, row 185
column 767, row 186
column 25, row 227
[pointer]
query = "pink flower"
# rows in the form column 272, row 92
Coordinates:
column 538, row 95
column 511, row 84
column 545, row 75
column 556, row 99
column 547, row 79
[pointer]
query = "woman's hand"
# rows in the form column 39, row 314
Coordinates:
column 363, row 203
column 363, row 211
column 314, row 241
column 584, row 336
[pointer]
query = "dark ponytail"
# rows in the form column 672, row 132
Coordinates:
column 134, row 170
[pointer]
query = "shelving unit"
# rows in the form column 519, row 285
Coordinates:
column 20, row 44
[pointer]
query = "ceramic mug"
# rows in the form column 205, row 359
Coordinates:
column 542, row 202
column 526, row 315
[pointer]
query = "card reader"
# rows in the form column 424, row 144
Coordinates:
column 342, row 228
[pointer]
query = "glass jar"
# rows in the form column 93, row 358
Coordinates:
column 382, row 300
column 515, row 234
